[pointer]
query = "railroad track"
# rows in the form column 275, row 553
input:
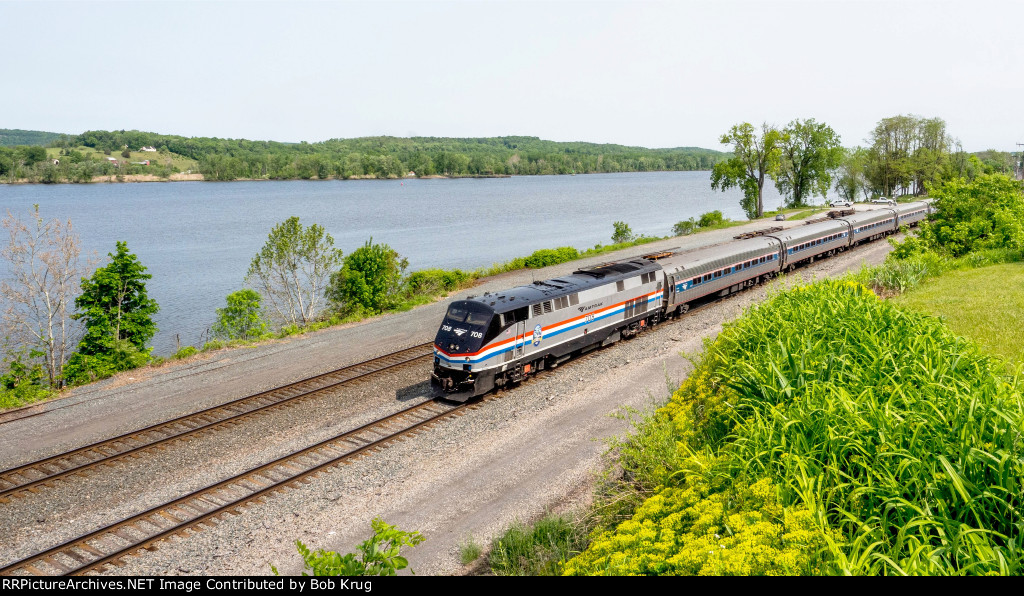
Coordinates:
column 205, row 507
column 32, row 477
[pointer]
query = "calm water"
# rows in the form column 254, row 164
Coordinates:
column 197, row 238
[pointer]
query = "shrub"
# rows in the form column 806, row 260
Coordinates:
column 622, row 233
column 685, row 228
column 433, row 282
column 378, row 555
column 242, row 318
column 185, row 352
column 711, row 218
column 122, row 355
column 984, row 213
column 23, row 381
column 371, row 277
column 546, row 257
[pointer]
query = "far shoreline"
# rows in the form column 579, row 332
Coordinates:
column 195, row 177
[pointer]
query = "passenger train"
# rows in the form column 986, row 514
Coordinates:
column 503, row 337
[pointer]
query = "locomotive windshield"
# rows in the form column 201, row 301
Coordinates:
column 464, row 327
column 469, row 313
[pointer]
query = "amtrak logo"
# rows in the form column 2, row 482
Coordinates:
column 459, row 332
column 538, row 334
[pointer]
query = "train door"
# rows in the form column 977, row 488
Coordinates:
column 520, row 338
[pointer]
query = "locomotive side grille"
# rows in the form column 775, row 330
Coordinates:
column 547, row 306
column 537, row 310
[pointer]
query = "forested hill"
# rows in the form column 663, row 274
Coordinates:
column 10, row 137
column 384, row 157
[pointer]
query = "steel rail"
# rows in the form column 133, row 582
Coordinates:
column 198, row 509
column 28, row 478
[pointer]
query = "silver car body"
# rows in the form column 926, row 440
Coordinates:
column 909, row 214
column 806, row 242
column 871, row 225
column 721, row 269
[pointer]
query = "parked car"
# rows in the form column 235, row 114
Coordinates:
column 883, row 201
column 840, row 203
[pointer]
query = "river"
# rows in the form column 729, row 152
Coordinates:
column 198, row 238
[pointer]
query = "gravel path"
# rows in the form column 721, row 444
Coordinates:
column 537, row 447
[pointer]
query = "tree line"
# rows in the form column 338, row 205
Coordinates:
column 368, row 157
column 907, row 155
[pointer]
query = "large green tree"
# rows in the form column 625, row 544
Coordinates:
column 907, row 154
column 117, row 313
column 754, row 159
column 810, row 152
column 850, row 179
column 292, row 269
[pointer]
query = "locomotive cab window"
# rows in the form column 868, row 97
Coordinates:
column 513, row 316
column 469, row 313
column 504, row 321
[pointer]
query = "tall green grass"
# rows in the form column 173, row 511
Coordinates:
column 537, row 549
column 900, row 440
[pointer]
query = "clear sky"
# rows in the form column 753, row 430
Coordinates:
column 654, row 74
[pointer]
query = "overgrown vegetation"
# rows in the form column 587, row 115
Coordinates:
column 379, row 555
column 711, row 220
column 242, row 318
column 826, row 431
column 978, row 222
column 537, row 549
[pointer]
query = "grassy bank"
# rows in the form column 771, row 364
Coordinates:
column 826, row 431
column 984, row 304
